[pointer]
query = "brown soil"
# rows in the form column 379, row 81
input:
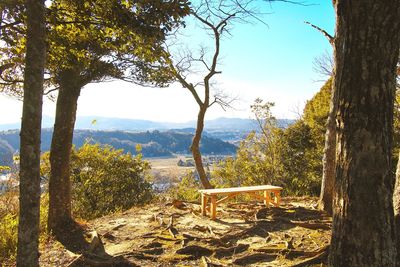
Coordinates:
column 175, row 234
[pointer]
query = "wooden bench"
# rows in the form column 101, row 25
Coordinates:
column 211, row 195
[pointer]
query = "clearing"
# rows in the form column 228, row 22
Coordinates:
column 175, row 234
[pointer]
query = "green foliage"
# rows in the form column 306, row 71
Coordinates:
column 290, row 157
column 96, row 39
column 105, row 180
column 301, row 160
column 257, row 160
column 8, row 237
column 316, row 112
column 9, row 225
column 187, row 188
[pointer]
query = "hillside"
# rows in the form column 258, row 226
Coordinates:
column 154, row 144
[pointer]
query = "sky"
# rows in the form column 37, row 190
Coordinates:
column 273, row 62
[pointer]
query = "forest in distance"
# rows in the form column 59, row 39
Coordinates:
column 152, row 144
column 73, row 197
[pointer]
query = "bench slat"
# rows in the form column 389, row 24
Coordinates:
column 218, row 191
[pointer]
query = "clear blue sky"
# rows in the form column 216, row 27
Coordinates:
column 274, row 63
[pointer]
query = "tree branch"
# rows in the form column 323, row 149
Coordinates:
column 330, row 38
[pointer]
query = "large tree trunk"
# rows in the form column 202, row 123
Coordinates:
column 396, row 206
column 29, row 187
column 60, row 152
column 329, row 159
column 195, row 148
column 366, row 50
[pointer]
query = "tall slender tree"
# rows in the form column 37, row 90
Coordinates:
column 366, row 52
column 29, row 199
column 329, row 159
column 324, row 66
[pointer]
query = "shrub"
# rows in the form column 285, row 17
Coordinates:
column 9, row 225
column 187, row 188
column 8, row 237
column 105, row 180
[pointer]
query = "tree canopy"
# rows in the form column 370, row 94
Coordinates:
column 98, row 39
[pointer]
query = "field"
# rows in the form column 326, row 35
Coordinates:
column 167, row 172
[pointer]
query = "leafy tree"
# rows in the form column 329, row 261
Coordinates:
column 320, row 117
column 300, row 159
column 316, row 112
column 366, row 52
column 29, row 186
column 90, row 41
column 325, row 66
column 258, row 158
column 289, row 157
column 131, row 34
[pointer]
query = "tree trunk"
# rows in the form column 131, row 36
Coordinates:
column 329, row 160
column 396, row 206
column 60, row 152
column 366, row 50
column 29, row 187
column 195, row 148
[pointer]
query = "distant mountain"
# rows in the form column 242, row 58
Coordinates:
column 154, row 143
column 47, row 122
column 104, row 123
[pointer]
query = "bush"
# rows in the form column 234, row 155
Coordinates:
column 8, row 237
column 105, row 180
column 187, row 189
column 9, row 225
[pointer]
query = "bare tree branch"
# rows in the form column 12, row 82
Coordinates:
column 323, row 64
column 330, row 38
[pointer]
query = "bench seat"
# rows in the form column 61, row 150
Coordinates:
column 211, row 195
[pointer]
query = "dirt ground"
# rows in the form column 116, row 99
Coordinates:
column 173, row 233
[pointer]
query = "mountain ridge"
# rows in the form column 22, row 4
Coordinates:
column 153, row 144
column 110, row 123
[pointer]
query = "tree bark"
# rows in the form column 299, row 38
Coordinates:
column 60, row 152
column 396, row 206
column 329, row 159
column 366, row 51
column 195, row 148
column 29, row 187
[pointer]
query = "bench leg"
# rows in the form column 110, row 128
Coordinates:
column 203, row 204
column 277, row 198
column 213, row 207
column 266, row 198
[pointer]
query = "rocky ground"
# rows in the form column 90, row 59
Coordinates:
column 175, row 234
